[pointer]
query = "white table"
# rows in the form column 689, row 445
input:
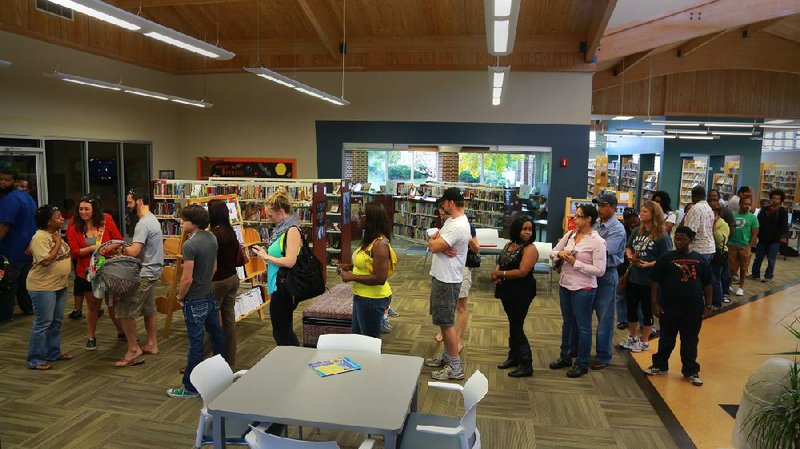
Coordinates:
column 281, row 388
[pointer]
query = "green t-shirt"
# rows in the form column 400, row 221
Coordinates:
column 745, row 223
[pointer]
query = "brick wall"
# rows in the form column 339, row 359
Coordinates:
column 448, row 167
column 355, row 165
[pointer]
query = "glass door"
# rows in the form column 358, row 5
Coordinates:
column 29, row 166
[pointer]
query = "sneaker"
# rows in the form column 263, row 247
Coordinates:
column 622, row 326
column 739, row 292
column 76, row 315
column 386, row 327
column 628, row 343
column 91, row 344
column 181, row 393
column 695, row 380
column 449, row 373
column 597, row 365
column 653, row 371
column 640, row 346
column 654, row 334
column 726, row 299
column 735, row 278
column 767, row 280
column 576, row 372
column 100, row 312
column 393, row 313
column 753, row 277
column 560, row 363
column 437, row 361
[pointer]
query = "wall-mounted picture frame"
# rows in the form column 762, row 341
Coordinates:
column 166, row 174
column 246, row 168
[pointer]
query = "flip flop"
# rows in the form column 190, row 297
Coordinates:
column 42, row 367
column 124, row 363
column 150, row 352
column 65, row 356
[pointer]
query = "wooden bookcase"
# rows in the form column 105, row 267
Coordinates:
column 629, row 176
column 725, row 185
column 614, row 174
column 649, row 185
column 694, row 173
column 782, row 177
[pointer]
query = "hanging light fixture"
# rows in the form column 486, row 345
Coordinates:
column 501, row 18
column 499, row 78
column 111, row 14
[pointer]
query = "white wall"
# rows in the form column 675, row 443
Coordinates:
column 252, row 117
column 781, row 157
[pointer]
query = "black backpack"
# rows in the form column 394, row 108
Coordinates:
column 304, row 280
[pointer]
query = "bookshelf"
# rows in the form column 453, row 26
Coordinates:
column 725, row 185
column 614, row 175
column 629, row 175
column 649, row 185
column 782, row 177
column 694, row 173
column 590, row 178
column 337, row 223
column 598, row 177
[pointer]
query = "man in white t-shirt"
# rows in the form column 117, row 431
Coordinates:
column 700, row 219
column 449, row 249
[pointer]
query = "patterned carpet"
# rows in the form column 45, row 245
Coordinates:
column 88, row 403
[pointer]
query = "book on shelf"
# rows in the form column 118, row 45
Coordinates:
column 335, row 366
column 247, row 302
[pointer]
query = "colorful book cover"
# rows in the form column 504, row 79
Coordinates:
column 339, row 365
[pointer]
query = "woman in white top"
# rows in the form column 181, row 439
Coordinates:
column 670, row 217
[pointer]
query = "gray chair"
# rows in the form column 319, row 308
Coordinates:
column 543, row 265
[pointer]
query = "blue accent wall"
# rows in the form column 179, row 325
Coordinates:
column 567, row 141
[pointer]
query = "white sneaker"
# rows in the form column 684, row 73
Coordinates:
column 629, row 343
column 739, row 292
column 640, row 346
column 695, row 380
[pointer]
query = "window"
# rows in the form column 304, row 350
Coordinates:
column 470, row 166
column 387, row 166
column 425, row 163
column 498, row 169
column 376, row 163
column 66, row 179
column 400, row 166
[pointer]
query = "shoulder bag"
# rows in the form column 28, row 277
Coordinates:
column 304, row 280
column 559, row 264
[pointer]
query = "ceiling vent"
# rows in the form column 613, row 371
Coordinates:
column 52, row 8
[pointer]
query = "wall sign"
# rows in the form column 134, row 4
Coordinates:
column 246, row 168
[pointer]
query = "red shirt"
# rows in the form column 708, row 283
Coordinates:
column 77, row 241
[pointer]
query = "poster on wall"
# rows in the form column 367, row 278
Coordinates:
column 246, row 168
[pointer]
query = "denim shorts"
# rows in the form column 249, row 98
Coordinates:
column 444, row 297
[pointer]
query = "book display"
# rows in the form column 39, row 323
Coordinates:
column 782, row 177
column 613, row 174
column 649, row 184
column 694, row 173
column 337, row 222
column 725, row 185
column 629, row 176
column 598, row 177
column 590, row 178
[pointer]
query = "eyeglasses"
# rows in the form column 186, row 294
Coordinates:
column 580, row 216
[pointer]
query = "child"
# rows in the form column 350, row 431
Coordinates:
column 685, row 279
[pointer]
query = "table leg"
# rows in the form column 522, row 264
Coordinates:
column 219, row 432
column 389, row 440
column 415, row 399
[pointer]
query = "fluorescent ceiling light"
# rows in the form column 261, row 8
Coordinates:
column 731, row 125
column 283, row 80
column 499, row 75
column 778, row 122
column 127, row 89
column 130, row 21
column 668, row 123
column 781, row 126
column 699, row 137
column 4, row 64
column 622, row 117
column 644, row 131
column 658, row 136
column 497, row 92
column 495, row 101
column 500, row 36
column 686, row 131
column 731, row 133
column 502, row 8
column 498, row 78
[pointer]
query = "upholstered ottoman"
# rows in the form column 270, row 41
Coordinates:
column 329, row 313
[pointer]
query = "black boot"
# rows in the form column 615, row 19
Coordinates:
column 513, row 357
column 525, row 368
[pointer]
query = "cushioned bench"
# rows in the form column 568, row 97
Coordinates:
column 329, row 313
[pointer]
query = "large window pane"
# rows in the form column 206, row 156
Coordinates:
column 103, row 176
column 469, row 167
column 137, row 172
column 503, row 170
column 66, row 174
column 425, row 163
column 376, row 175
column 400, row 166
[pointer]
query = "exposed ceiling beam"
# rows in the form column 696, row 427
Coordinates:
column 729, row 52
column 630, row 62
column 758, row 27
column 697, row 43
column 327, row 30
column 691, row 23
column 601, row 13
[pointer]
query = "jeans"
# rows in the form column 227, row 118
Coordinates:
column 771, row 251
column 368, row 314
column 576, row 312
column 726, row 279
column 716, row 283
column 604, row 299
column 16, row 292
column 516, row 308
column 200, row 314
column 685, row 320
column 48, row 312
column 281, row 311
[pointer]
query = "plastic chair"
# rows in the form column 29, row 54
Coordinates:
column 350, row 342
column 543, row 265
column 211, row 377
column 258, row 438
column 424, row 431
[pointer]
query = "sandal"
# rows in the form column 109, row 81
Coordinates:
column 145, row 351
column 42, row 367
column 124, row 363
column 65, row 356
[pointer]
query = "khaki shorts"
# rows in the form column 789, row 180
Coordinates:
column 466, row 282
column 142, row 302
column 443, row 302
column 738, row 257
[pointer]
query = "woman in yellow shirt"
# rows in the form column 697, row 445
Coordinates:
column 47, row 285
column 370, row 271
column 719, row 262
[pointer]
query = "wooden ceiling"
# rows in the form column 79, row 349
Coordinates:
column 303, row 35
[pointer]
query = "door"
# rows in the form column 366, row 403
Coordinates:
column 29, row 166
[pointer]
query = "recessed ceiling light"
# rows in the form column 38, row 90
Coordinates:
column 622, row 117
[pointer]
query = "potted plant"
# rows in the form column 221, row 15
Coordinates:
column 769, row 413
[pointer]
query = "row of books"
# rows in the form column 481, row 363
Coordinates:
column 258, row 212
column 164, row 208
column 262, row 191
column 411, row 232
column 170, row 228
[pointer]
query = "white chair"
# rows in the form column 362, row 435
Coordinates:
column 211, row 377
column 424, row 431
column 487, row 236
column 258, row 438
column 350, row 342
column 543, row 265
